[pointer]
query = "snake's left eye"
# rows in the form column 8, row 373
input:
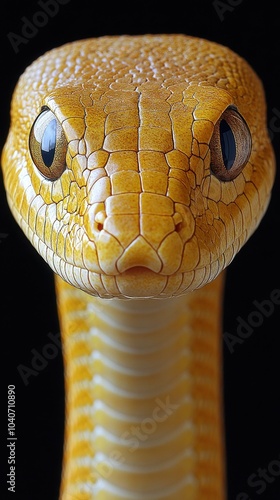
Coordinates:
column 47, row 144
column 230, row 145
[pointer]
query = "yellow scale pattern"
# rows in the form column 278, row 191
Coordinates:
column 138, row 123
column 143, row 380
column 138, row 214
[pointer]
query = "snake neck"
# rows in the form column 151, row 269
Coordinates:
column 143, row 397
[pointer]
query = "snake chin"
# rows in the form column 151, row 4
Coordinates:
column 141, row 282
column 134, row 283
column 137, row 282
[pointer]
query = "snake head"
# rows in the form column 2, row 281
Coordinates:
column 138, row 166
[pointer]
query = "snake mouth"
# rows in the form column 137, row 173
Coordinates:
column 141, row 282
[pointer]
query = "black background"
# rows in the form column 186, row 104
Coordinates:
column 28, row 310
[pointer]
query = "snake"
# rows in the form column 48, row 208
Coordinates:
column 138, row 166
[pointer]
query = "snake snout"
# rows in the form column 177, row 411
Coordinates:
column 139, row 254
column 127, row 241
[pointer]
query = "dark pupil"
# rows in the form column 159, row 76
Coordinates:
column 48, row 143
column 227, row 144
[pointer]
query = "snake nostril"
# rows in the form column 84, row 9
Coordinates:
column 178, row 220
column 99, row 220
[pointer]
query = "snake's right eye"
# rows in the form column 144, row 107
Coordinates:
column 48, row 145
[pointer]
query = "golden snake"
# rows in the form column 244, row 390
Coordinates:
column 138, row 166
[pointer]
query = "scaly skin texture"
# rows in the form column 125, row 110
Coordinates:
column 138, row 211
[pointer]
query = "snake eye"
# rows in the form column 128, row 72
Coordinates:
column 230, row 145
column 48, row 145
